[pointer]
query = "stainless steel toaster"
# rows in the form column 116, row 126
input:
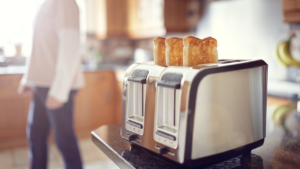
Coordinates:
column 195, row 116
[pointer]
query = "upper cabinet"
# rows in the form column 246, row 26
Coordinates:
column 291, row 11
column 145, row 18
column 134, row 19
column 181, row 15
column 138, row 19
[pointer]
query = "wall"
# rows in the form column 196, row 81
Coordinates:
column 247, row 29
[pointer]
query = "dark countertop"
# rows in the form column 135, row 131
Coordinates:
column 281, row 148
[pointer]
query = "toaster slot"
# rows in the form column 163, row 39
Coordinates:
column 168, row 107
column 136, row 102
column 136, row 95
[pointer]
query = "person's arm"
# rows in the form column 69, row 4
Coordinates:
column 67, row 66
column 24, row 87
column 68, row 57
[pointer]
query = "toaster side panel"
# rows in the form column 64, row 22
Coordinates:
column 229, row 111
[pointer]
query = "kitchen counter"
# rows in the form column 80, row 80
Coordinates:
column 22, row 69
column 281, row 148
column 108, row 139
column 12, row 70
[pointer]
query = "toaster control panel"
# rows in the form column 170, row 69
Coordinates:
column 165, row 135
column 166, row 139
column 138, row 130
column 134, row 124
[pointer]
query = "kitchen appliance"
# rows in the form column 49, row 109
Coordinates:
column 195, row 116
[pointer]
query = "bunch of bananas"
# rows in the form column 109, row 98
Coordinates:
column 280, row 112
column 284, row 56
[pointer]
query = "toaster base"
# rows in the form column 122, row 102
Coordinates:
column 210, row 160
column 214, row 159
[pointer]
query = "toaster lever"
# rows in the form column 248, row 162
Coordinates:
column 170, row 80
column 139, row 76
column 164, row 150
column 133, row 137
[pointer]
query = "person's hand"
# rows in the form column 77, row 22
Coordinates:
column 52, row 103
column 24, row 90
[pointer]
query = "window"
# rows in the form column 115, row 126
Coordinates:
column 16, row 23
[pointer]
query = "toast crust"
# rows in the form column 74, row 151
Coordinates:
column 159, row 51
column 197, row 51
column 174, row 51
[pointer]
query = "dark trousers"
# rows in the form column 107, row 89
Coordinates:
column 40, row 120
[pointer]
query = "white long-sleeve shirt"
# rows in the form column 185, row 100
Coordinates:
column 55, row 59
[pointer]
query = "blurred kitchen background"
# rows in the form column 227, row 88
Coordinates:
column 117, row 33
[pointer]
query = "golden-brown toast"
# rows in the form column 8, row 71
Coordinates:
column 174, row 51
column 159, row 51
column 197, row 51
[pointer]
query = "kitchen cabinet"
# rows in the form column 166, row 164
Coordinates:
column 96, row 104
column 134, row 19
column 291, row 11
column 119, row 92
column 181, row 16
column 139, row 19
column 13, row 112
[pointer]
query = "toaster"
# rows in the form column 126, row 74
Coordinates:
column 195, row 116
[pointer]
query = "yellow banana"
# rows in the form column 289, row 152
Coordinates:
column 281, row 111
column 284, row 54
column 278, row 54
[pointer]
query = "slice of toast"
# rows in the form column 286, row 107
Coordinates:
column 197, row 51
column 174, row 51
column 159, row 51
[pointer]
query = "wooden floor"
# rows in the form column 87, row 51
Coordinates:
column 92, row 156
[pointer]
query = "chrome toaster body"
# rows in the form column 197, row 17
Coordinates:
column 193, row 116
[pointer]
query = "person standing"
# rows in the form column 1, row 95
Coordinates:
column 54, row 75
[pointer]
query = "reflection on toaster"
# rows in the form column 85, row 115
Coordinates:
column 195, row 116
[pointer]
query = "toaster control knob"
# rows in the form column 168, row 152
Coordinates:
column 133, row 137
column 164, row 150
